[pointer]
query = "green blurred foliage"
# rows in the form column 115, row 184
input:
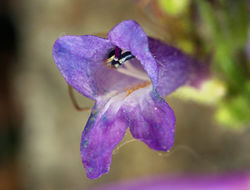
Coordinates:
column 210, row 93
column 234, row 112
column 218, row 29
column 174, row 7
column 226, row 32
column 225, row 23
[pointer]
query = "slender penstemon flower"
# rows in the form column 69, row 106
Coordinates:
column 127, row 75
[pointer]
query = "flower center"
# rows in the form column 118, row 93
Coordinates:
column 117, row 57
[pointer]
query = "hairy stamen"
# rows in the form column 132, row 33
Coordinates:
column 134, row 88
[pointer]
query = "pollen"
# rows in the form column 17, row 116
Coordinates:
column 134, row 88
column 108, row 61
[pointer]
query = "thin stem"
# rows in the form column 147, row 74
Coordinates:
column 73, row 99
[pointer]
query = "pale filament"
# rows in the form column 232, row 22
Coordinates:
column 129, row 70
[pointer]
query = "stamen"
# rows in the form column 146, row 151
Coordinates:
column 116, row 58
column 132, row 89
column 125, row 57
column 131, row 68
column 131, row 71
column 109, row 59
column 132, row 74
column 117, row 52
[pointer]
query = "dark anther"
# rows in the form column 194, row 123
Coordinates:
column 125, row 57
column 118, row 59
column 111, row 54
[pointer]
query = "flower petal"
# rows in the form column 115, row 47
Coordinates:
column 150, row 118
column 130, row 36
column 175, row 68
column 189, row 181
column 81, row 60
column 103, row 131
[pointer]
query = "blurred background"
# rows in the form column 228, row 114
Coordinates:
column 40, row 130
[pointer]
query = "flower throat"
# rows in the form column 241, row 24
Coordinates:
column 117, row 57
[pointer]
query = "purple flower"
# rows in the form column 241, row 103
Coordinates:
column 235, row 181
column 127, row 75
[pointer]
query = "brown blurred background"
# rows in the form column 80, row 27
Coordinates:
column 40, row 130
